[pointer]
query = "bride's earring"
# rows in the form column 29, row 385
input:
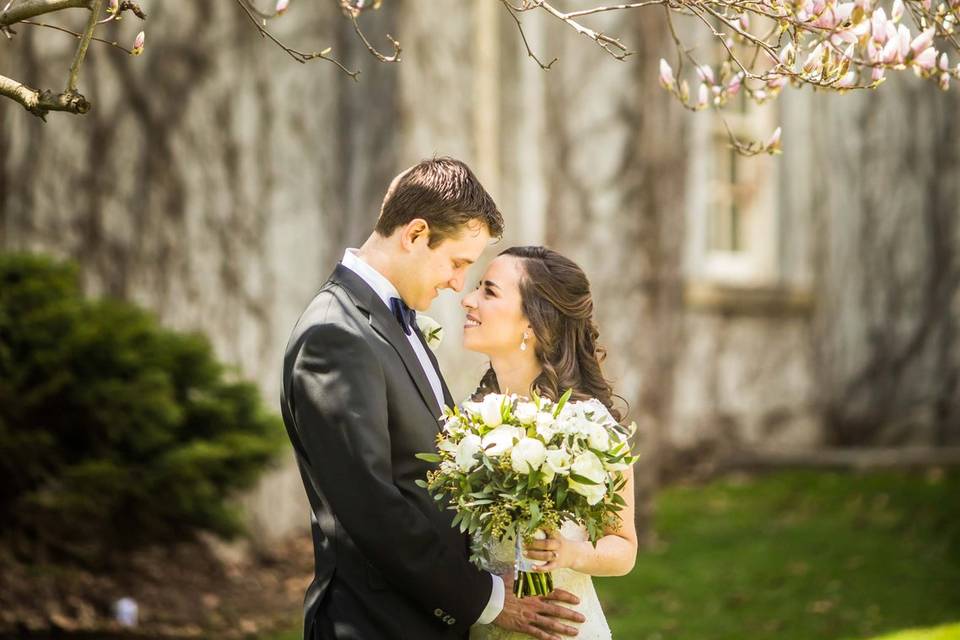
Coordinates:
column 523, row 342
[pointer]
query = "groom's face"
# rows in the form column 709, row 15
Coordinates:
column 443, row 266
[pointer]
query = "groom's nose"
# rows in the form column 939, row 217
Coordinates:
column 456, row 283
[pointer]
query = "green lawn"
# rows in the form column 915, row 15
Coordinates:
column 797, row 556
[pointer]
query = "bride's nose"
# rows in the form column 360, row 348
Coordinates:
column 467, row 301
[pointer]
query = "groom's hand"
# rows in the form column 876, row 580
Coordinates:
column 537, row 616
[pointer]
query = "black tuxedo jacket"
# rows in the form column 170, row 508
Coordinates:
column 358, row 407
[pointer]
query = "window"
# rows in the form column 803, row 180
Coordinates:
column 733, row 199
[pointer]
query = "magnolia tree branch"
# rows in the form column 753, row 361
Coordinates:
column 40, row 102
column 755, row 48
column 19, row 10
column 81, row 53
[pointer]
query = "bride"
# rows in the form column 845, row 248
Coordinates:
column 532, row 315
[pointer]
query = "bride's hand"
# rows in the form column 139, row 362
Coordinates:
column 557, row 551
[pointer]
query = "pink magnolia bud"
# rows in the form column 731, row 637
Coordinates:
column 827, row 20
column 945, row 81
column 897, row 12
column 879, row 21
column 944, row 62
column 666, row 75
column 926, row 4
column 848, row 53
column 927, row 59
column 848, row 80
column 891, row 51
column 745, row 22
column 844, row 11
column 282, row 6
column 734, row 86
column 777, row 82
column 786, row 55
column 703, row 96
column 138, row 44
column 815, row 60
column 904, row 36
column 861, row 29
column 922, row 41
column 891, row 29
column 877, row 74
column 705, row 73
column 845, row 35
column 874, row 53
column 759, row 95
column 774, row 142
column 818, row 6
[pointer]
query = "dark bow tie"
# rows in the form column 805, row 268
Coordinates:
column 406, row 316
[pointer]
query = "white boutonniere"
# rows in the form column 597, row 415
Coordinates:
column 431, row 329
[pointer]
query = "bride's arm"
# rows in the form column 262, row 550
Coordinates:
column 614, row 554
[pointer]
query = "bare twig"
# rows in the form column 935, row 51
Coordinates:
column 379, row 56
column 112, row 43
column 299, row 56
column 513, row 14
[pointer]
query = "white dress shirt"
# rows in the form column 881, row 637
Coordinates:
column 386, row 290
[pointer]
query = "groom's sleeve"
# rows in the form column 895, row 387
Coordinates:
column 339, row 402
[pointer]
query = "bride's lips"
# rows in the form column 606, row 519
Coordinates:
column 471, row 322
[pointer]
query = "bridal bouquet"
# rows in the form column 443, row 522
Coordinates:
column 511, row 468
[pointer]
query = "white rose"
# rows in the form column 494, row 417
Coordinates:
column 500, row 440
column 431, row 329
column 599, row 438
column 467, row 451
column 588, row 465
column 526, row 412
column 528, row 454
column 491, row 409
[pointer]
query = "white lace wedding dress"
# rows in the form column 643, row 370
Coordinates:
column 579, row 584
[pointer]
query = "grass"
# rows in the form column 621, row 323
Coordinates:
column 796, row 556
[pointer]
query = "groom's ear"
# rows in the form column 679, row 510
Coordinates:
column 417, row 230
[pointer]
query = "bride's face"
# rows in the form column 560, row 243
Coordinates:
column 495, row 322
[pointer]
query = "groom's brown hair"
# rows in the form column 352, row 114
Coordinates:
column 445, row 193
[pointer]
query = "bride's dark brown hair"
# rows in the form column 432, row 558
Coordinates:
column 555, row 295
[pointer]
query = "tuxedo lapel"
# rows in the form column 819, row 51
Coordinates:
column 384, row 323
column 447, row 396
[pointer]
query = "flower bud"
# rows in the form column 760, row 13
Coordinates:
column 666, row 75
column 138, row 44
column 282, row 6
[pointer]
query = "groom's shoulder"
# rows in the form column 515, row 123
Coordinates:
column 332, row 311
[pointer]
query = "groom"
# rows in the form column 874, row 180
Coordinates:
column 361, row 396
